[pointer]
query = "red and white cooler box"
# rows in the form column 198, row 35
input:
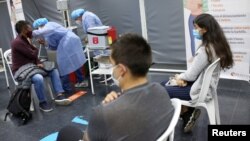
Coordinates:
column 98, row 37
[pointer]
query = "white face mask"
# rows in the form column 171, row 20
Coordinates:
column 116, row 81
column 78, row 22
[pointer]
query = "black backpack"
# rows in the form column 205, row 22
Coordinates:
column 19, row 105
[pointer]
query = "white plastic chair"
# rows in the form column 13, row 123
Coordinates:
column 212, row 106
column 4, row 68
column 8, row 60
column 169, row 133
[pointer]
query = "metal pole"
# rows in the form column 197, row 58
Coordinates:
column 143, row 19
column 12, row 22
column 90, row 72
column 68, row 18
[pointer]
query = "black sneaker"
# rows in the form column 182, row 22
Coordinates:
column 61, row 100
column 44, row 106
column 189, row 119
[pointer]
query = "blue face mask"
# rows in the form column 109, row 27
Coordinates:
column 196, row 34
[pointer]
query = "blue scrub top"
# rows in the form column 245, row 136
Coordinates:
column 70, row 55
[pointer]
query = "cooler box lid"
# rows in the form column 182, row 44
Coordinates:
column 100, row 30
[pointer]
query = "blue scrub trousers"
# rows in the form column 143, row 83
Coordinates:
column 66, row 81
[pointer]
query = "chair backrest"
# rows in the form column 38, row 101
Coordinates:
column 170, row 130
column 207, row 80
column 8, row 59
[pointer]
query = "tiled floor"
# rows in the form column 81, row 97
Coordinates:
column 234, row 97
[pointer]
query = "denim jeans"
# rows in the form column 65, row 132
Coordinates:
column 178, row 92
column 38, row 81
column 66, row 81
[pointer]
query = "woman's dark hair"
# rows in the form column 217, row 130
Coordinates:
column 214, row 37
column 134, row 52
column 20, row 25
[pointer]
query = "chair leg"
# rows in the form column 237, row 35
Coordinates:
column 211, row 113
column 32, row 91
column 217, row 112
column 32, row 105
column 171, row 137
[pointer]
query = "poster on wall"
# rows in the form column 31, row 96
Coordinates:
column 16, row 12
column 234, row 18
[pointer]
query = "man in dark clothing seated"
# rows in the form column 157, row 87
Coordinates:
column 143, row 110
column 23, row 52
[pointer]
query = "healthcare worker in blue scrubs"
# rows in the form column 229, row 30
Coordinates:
column 86, row 19
column 70, row 56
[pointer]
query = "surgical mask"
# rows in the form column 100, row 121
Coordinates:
column 196, row 34
column 29, row 34
column 78, row 22
column 116, row 81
